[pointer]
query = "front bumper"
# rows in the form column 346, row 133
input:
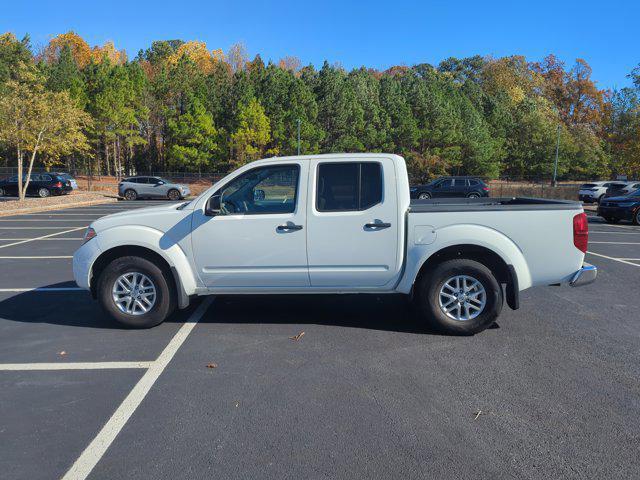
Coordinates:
column 83, row 260
column 586, row 275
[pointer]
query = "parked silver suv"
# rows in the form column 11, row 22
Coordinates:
column 151, row 187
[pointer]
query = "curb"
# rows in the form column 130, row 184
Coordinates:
column 7, row 213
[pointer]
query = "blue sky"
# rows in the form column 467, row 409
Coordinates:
column 375, row 34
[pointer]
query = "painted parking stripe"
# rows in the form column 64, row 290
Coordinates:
column 41, row 289
column 89, row 458
column 72, row 366
column 72, row 229
column 614, row 259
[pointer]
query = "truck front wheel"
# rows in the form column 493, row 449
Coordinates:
column 460, row 297
column 135, row 292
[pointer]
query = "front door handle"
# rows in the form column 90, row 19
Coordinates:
column 378, row 226
column 288, row 227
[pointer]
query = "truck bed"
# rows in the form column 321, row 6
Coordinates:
column 490, row 204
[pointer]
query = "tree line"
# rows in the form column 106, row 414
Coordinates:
column 179, row 106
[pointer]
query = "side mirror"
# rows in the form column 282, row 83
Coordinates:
column 258, row 195
column 213, row 206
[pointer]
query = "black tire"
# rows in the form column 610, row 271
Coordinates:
column 44, row 192
column 174, row 195
column 424, row 196
column 165, row 300
column 427, row 297
column 130, row 194
column 636, row 217
column 2, row 192
column 473, row 195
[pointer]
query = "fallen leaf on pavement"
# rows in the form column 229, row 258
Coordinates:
column 212, row 365
column 62, row 353
column 297, row 337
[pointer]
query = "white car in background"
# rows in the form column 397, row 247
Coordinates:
column 593, row 192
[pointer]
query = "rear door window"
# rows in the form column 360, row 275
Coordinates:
column 348, row 186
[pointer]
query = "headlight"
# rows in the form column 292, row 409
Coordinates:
column 88, row 235
column 413, row 189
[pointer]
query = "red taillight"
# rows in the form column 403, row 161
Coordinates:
column 58, row 184
column 581, row 232
column 486, row 189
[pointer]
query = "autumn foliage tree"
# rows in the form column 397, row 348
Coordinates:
column 187, row 106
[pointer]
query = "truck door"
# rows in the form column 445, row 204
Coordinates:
column 258, row 240
column 353, row 223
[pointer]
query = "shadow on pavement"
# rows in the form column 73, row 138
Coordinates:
column 77, row 308
column 70, row 308
column 375, row 312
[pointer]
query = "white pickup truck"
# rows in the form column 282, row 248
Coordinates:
column 340, row 223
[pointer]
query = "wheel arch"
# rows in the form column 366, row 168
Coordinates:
column 171, row 259
column 504, row 273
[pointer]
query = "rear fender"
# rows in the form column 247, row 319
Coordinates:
column 466, row 234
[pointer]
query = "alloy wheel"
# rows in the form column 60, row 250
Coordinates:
column 462, row 298
column 134, row 293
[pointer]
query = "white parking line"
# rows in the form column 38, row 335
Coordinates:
column 23, row 257
column 72, row 229
column 614, row 259
column 72, row 366
column 83, row 466
column 630, row 259
column 41, row 289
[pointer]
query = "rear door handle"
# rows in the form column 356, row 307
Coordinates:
column 378, row 226
column 286, row 228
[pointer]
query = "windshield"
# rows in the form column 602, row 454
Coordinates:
column 588, row 185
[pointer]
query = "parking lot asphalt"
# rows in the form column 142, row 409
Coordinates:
column 551, row 391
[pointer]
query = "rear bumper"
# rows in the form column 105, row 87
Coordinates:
column 586, row 275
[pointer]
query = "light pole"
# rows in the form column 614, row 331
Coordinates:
column 554, row 183
column 298, row 136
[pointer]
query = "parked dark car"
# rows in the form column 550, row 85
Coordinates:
column 616, row 190
column 68, row 176
column 471, row 187
column 41, row 185
column 627, row 207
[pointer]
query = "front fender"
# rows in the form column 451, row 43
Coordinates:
column 465, row 234
column 155, row 240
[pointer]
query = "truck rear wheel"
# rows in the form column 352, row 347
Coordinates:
column 460, row 296
column 135, row 292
